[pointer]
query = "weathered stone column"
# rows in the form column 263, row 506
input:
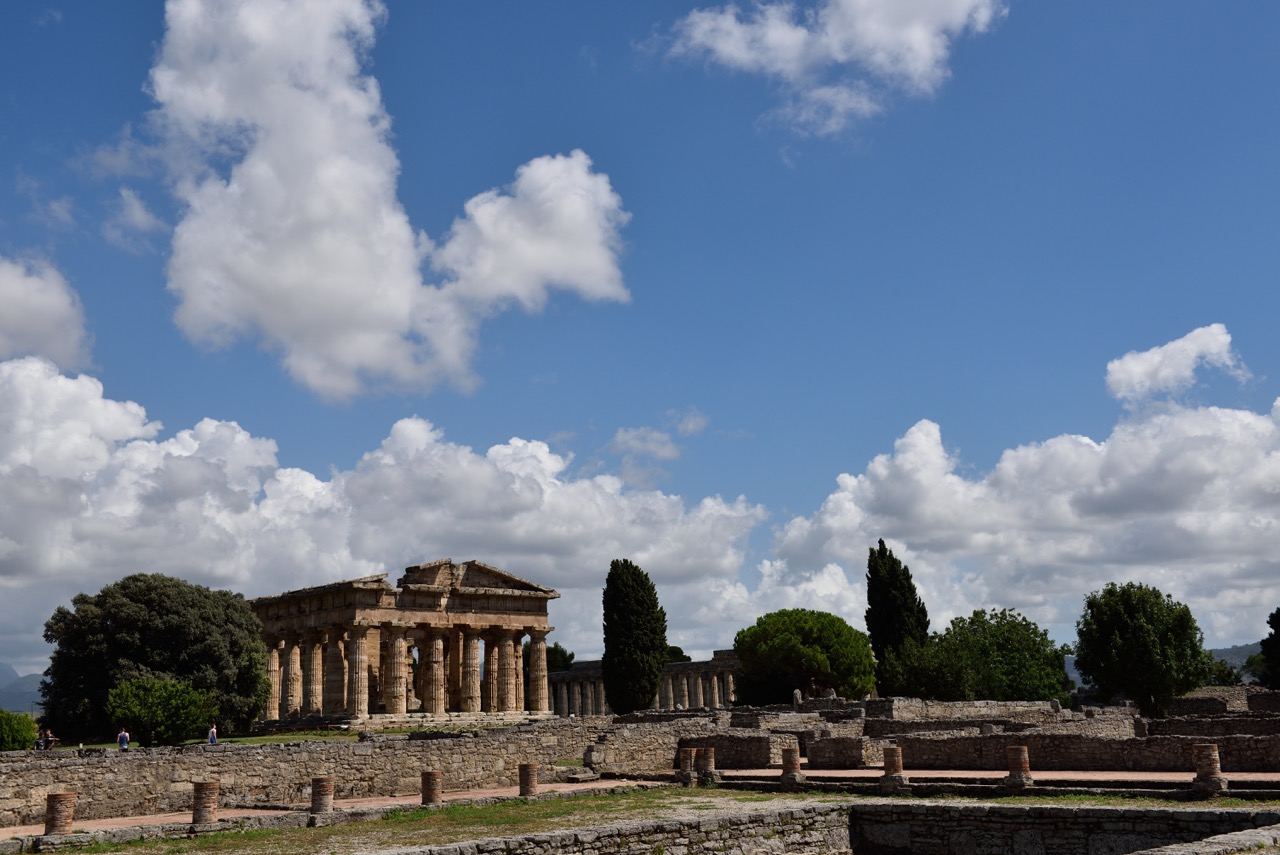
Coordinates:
column 1208, row 780
column 432, row 787
column 602, row 700
column 686, row 759
column 730, row 689
column 695, row 690
column 681, row 698
column 489, row 688
column 358, row 672
column 893, row 780
column 791, row 776
column 293, row 697
column 713, row 690
column 1019, row 767
column 436, row 697
column 470, row 671
column 322, row 794
column 454, row 667
column 59, row 813
column 528, row 779
column 313, row 675
column 506, row 672
column 204, row 806
column 539, row 691
column 394, row 698
column 518, row 645
column 665, row 690
column 562, row 699
column 335, row 674
column 705, row 764
column 575, row 698
column 273, row 672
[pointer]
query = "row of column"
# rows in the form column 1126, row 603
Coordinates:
column 359, row 669
column 581, row 697
column 583, row 694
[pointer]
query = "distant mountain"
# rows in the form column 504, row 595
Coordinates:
column 7, row 674
column 22, row 694
column 1235, row 656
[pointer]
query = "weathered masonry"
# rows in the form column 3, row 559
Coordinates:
column 447, row 639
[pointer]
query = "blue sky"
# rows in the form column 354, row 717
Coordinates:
column 291, row 296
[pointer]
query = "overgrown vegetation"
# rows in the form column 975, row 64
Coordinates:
column 17, row 731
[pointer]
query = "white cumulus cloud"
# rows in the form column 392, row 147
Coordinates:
column 839, row 58
column 42, row 315
column 291, row 232
column 1172, row 367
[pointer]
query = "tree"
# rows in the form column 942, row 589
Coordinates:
column 1223, row 673
column 675, row 653
column 802, row 649
column 160, row 711
column 1268, row 673
column 895, row 613
column 635, row 638
column 990, row 655
column 17, row 731
column 151, row 625
column 1137, row 642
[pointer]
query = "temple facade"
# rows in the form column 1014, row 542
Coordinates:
column 448, row 638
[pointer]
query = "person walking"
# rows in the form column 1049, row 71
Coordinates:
column 213, row 734
column 122, row 739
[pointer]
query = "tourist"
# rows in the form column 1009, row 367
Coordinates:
column 122, row 739
column 213, row 734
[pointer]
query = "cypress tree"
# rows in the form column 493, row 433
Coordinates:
column 895, row 612
column 635, row 638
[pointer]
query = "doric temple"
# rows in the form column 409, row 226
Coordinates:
column 448, row 638
column 709, row 684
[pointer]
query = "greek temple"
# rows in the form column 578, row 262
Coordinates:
column 447, row 639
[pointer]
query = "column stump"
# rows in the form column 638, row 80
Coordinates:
column 893, row 781
column 1208, row 780
column 704, row 762
column 685, row 774
column 204, row 804
column 1019, row 767
column 322, row 794
column 59, row 812
column 432, row 787
column 792, row 778
column 528, row 779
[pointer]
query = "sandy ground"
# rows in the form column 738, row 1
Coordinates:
column 1240, row 779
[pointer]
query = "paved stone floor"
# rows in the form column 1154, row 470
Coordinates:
column 1241, row 779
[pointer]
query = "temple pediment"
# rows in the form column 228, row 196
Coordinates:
column 469, row 576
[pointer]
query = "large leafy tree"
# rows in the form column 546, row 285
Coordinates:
column 895, row 613
column 151, row 625
column 1135, row 641
column 161, row 711
column 802, row 649
column 1267, row 665
column 17, row 731
column 990, row 655
column 635, row 638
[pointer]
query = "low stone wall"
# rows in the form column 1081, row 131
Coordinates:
column 110, row 783
column 844, row 752
column 886, row 728
column 915, row 709
column 1241, row 724
column 1264, row 701
column 1074, row 752
column 743, row 749
column 904, row 828
column 647, row 746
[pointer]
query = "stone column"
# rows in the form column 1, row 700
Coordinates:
column 730, row 690
column 893, row 780
column 1208, row 780
column 528, row 779
column 562, row 699
column 322, row 794
column 575, row 698
column 713, row 690
column 456, row 644
column 204, row 806
column 293, row 696
column 695, row 690
column 681, row 698
column 358, row 672
column 1019, row 766
column 273, row 672
column 489, row 689
column 432, row 787
column 507, row 678
column 539, row 691
column 435, row 697
column 602, row 702
column 518, row 642
column 335, row 677
column 791, row 775
column 470, row 671
column 684, row 767
column 59, row 813
column 313, row 675
column 394, row 698
column 665, row 690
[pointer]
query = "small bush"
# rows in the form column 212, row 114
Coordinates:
column 17, row 731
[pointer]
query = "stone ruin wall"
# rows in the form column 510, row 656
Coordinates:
column 109, row 783
column 915, row 709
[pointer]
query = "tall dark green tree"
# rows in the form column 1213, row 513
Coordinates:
column 895, row 612
column 1135, row 641
column 1269, row 654
column 151, row 625
column 635, row 638
column 802, row 649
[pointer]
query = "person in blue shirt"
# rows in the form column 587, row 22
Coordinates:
column 122, row 739
column 213, row 734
